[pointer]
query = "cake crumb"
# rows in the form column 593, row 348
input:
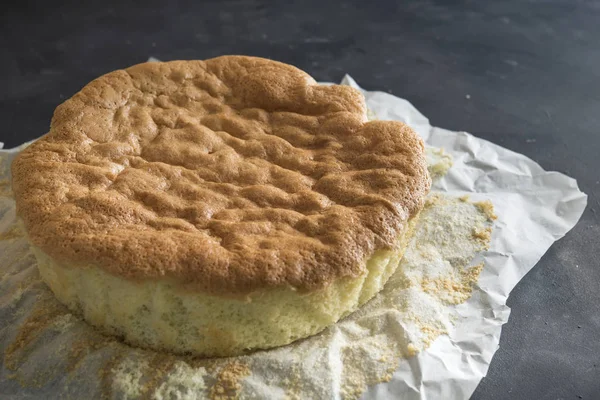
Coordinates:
column 438, row 162
column 487, row 208
column 482, row 234
column 412, row 350
column 182, row 382
column 126, row 379
column 227, row 386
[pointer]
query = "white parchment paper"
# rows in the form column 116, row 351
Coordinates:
column 534, row 208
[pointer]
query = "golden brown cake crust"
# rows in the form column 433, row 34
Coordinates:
column 232, row 174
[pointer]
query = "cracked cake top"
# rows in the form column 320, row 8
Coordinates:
column 231, row 174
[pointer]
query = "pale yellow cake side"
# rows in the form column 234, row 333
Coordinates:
column 163, row 315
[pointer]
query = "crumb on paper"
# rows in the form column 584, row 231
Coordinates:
column 228, row 384
column 127, row 377
column 412, row 350
column 438, row 161
column 482, row 234
column 454, row 289
column 487, row 207
column 183, row 382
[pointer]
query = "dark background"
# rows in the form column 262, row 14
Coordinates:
column 530, row 68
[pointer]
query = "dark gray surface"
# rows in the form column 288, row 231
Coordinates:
column 531, row 69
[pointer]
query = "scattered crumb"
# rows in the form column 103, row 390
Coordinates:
column 431, row 333
column 183, row 382
column 438, row 161
column 412, row 350
column 453, row 289
column 126, row 378
column 488, row 208
column 482, row 234
column 228, row 384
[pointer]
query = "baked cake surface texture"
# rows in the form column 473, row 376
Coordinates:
column 213, row 207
